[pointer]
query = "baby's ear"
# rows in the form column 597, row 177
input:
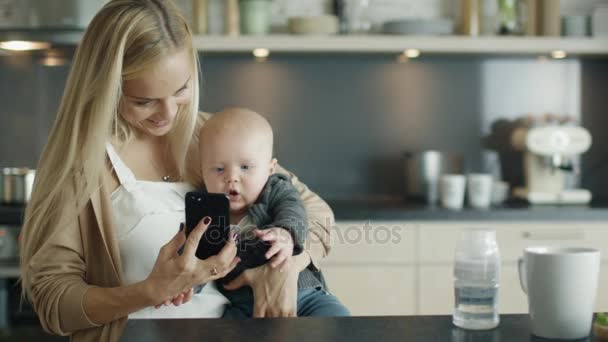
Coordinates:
column 273, row 165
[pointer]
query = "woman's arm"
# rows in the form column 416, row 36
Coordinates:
column 320, row 221
column 275, row 292
column 65, row 303
column 171, row 275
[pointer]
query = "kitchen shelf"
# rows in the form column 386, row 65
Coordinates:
column 396, row 44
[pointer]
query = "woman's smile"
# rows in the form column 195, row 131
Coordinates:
column 159, row 123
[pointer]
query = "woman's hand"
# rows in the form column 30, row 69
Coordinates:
column 175, row 275
column 178, row 300
column 274, row 292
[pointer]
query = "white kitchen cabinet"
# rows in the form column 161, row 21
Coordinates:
column 438, row 241
column 412, row 272
column 436, row 289
column 436, row 295
column 372, row 267
column 374, row 290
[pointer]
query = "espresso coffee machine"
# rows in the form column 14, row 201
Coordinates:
column 549, row 152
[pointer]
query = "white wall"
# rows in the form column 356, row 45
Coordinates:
column 512, row 88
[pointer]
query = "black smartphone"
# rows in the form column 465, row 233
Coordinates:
column 217, row 207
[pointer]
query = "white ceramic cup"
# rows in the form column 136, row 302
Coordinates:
column 452, row 188
column 479, row 189
column 500, row 192
column 561, row 284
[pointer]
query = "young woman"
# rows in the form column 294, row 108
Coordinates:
column 101, row 234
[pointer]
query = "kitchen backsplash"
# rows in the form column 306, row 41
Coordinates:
column 342, row 122
column 30, row 95
column 595, row 117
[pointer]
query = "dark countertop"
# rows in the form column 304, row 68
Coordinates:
column 512, row 328
column 28, row 333
column 398, row 210
column 348, row 329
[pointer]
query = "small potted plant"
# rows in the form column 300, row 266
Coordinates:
column 255, row 16
column 600, row 327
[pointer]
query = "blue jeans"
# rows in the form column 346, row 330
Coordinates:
column 314, row 302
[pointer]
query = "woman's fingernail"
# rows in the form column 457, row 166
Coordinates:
column 207, row 220
column 181, row 226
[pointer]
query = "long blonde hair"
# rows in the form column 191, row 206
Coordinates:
column 123, row 39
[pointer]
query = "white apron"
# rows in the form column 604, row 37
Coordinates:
column 147, row 215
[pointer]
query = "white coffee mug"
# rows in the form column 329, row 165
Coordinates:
column 561, row 284
column 452, row 188
column 500, row 192
column 479, row 189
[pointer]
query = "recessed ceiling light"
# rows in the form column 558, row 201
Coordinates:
column 22, row 45
column 52, row 61
column 412, row 53
column 261, row 53
column 559, row 54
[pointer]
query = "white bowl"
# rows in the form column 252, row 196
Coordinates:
column 419, row 26
column 323, row 24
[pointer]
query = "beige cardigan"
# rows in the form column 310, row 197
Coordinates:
column 84, row 253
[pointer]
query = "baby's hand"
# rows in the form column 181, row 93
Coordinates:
column 178, row 300
column 281, row 245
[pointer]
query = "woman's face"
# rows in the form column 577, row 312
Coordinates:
column 150, row 103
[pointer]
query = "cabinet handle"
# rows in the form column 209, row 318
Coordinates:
column 554, row 235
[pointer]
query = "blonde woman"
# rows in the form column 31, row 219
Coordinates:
column 100, row 238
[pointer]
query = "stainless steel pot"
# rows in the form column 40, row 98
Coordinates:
column 16, row 185
column 423, row 170
column 9, row 237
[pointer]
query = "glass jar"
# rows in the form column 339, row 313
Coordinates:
column 471, row 17
column 255, row 16
column 357, row 16
column 508, row 17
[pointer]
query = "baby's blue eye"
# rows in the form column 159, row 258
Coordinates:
column 219, row 169
column 245, row 167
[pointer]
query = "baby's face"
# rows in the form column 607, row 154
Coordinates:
column 237, row 166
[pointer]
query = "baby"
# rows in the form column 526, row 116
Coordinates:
column 236, row 148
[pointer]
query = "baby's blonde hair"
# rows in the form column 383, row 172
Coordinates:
column 235, row 121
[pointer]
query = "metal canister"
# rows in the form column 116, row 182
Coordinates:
column 29, row 184
column 423, row 171
column 9, row 243
column 14, row 185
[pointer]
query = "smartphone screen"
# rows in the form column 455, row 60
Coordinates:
column 216, row 206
